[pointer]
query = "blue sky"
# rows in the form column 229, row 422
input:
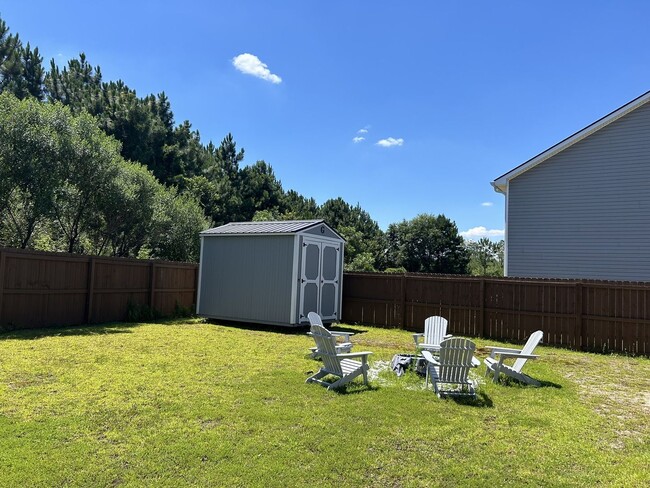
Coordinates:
column 466, row 90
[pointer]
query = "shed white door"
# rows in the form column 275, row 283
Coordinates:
column 319, row 280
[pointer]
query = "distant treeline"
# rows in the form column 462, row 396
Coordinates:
column 87, row 166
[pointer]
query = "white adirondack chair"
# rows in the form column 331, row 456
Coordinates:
column 451, row 368
column 337, row 364
column 345, row 346
column 435, row 331
column 497, row 366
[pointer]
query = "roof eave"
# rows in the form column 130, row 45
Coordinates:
column 500, row 184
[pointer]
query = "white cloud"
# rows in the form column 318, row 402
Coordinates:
column 390, row 141
column 476, row 233
column 487, row 204
column 250, row 64
column 358, row 139
column 362, row 131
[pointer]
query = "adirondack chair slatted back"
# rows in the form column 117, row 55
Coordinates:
column 455, row 359
column 435, row 329
column 534, row 339
column 314, row 319
column 326, row 344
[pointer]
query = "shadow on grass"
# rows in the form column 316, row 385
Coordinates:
column 513, row 383
column 84, row 330
column 482, row 400
column 279, row 329
column 353, row 388
column 356, row 389
column 69, row 330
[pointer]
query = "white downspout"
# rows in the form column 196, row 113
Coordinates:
column 505, row 247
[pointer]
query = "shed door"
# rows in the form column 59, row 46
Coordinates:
column 319, row 281
column 329, row 283
column 310, row 278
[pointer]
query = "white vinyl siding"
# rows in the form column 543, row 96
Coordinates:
column 585, row 212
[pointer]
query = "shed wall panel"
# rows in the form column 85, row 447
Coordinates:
column 247, row 278
column 585, row 212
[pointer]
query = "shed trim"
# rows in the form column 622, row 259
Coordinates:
column 295, row 279
column 198, row 284
column 276, row 227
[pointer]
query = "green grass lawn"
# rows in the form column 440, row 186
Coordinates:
column 199, row 404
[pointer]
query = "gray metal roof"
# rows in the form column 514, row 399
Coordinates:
column 275, row 227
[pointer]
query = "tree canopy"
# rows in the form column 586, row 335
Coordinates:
column 87, row 165
column 66, row 187
column 427, row 244
column 486, row 257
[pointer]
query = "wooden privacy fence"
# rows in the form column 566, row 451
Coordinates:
column 578, row 314
column 39, row 289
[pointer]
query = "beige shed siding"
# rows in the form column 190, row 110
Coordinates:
column 585, row 212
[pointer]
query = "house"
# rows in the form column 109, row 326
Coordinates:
column 581, row 209
column 271, row 272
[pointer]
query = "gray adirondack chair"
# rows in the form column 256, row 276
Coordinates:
column 449, row 372
column 496, row 365
column 435, row 331
column 337, row 364
column 345, row 346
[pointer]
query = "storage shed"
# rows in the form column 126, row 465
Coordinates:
column 271, row 272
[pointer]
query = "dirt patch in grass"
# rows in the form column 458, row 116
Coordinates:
column 25, row 380
column 617, row 388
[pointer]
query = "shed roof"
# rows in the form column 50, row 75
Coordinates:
column 501, row 182
column 258, row 228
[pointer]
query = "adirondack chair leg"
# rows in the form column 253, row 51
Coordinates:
column 532, row 381
column 316, row 377
column 527, row 379
column 339, row 382
column 497, row 372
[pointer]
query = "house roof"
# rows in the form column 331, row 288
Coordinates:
column 500, row 184
column 258, row 228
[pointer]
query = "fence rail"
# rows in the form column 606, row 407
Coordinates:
column 42, row 289
column 578, row 314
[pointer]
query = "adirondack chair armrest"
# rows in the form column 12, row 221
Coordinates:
column 346, row 335
column 354, row 354
column 499, row 350
column 417, row 337
column 518, row 355
column 447, row 336
column 429, row 358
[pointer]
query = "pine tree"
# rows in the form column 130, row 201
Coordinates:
column 10, row 62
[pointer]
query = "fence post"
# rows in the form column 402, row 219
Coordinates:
column 403, row 301
column 152, row 285
column 195, row 297
column 3, row 256
column 481, row 320
column 91, row 290
column 578, row 316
